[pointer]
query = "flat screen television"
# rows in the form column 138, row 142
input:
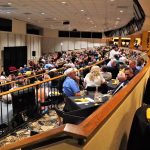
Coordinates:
column 5, row 24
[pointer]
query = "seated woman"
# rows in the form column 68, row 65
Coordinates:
column 94, row 78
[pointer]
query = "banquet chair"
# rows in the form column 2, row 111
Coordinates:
column 103, row 88
column 75, row 116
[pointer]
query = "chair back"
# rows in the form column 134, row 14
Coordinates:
column 103, row 88
column 76, row 116
column 68, row 118
column 24, row 101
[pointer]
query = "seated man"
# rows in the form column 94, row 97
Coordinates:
column 70, row 85
column 124, row 79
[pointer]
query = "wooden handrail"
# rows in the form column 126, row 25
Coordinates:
column 30, row 85
column 11, row 82
column 90, row 124
column 40, row 82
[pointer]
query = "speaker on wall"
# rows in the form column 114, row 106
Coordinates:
column 33, row 53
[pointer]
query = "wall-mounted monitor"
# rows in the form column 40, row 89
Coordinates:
column 86, row 34
column 75, row 34
column 96, row 35
column 5, row 24
column 63, row 34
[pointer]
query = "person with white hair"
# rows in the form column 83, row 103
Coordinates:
column 70, row 84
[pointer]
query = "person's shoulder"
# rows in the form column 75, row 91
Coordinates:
column 87, row 75
column 68, row 79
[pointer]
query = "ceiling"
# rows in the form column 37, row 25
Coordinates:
column 83, row 15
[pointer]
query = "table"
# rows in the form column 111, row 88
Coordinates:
column 72, row 104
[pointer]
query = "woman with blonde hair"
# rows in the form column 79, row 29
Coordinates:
column 94, row 78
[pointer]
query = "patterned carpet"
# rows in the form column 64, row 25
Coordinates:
column 47, row 122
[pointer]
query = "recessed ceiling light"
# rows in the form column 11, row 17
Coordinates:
column 82, row 10
column 8, row 12
column 118, row 18
column 112, row 0
column 9, row 3
column 29, row 18
column 63, row 2
column 42, row 13
column 121, row 11
column 88, row 18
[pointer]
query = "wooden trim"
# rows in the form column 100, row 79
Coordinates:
column 31, row 76
column 30, row 85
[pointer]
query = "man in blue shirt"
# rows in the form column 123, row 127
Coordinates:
column 70, row 85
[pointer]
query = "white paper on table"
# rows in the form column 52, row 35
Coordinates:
column 88, row 100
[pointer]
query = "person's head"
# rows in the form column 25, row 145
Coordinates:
column 2, row 79
column 121, row 76
column 46, row 76
column 113, row 63
column 71, row 72
column 20, row 81
column 132, row 64
column 94, row 72
column 95, row 68
column 104, row 68
column 129, row 73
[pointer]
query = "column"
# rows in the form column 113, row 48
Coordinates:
column 131, row 46
column 144, row 40
column 119, row 41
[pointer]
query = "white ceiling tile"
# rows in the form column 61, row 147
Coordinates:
column 103, row 13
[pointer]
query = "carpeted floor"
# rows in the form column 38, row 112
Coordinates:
column 47, row 122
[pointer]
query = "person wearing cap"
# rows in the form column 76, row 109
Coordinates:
column 70, row 84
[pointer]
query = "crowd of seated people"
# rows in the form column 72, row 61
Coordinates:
column 53, row 61
column 119, row 60
column 121, row 66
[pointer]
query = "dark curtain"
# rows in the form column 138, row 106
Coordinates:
column 15, row 56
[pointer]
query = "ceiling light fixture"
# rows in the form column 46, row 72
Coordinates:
column 63, row 2
column 8, row 12
column 82, row 10
column 112, row 0
column 9, row 3
column 121, row 11
column 42, row 13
